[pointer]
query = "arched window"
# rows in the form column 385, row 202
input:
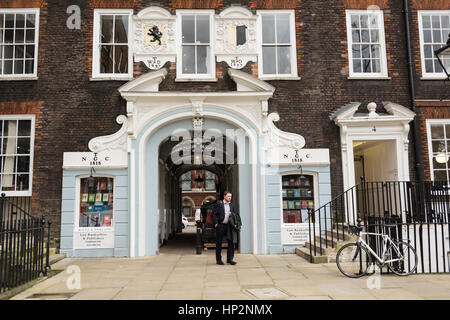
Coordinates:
column 186, row 181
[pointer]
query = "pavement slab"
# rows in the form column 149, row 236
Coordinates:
column 178, row 275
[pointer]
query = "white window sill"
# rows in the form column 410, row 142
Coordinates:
column 16, row 193
column 435, row 78
column 369, row 78
column 196, row 80
column 18, row 78
column 266, row 78
column 110, row 78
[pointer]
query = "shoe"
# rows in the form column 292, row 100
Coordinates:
column 220, row 263
column 232, row 262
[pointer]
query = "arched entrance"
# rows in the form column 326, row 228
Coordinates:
column 158, row 195
column 262, row 155
column 188, row 178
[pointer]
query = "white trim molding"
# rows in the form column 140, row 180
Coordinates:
column 32, row 118
column 293, row 75
column 23, row 75
column 431, row 154
column 211, row 65
column 96, row 74
column 433, row 42
column 373, row 126
column 381, row 42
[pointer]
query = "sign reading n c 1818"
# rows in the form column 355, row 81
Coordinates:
column 104, row 159
column 290, row 156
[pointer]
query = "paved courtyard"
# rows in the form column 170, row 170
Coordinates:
column 179, row 274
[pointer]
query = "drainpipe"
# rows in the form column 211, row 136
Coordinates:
column 415, row 127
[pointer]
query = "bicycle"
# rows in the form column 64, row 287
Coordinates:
column 354, row 259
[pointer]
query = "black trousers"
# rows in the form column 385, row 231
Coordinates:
column 221, row 231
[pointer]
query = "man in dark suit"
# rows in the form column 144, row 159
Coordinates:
column 221, row 213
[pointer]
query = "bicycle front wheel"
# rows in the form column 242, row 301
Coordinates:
column 353, row 260
column 407, row 264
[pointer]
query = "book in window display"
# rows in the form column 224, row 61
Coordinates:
column 304, row 214
column 297, row 194
column 291, row 204
column 96, row 207
column 292, row 182
column 291, row 216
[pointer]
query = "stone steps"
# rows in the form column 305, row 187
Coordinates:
column 330, row 246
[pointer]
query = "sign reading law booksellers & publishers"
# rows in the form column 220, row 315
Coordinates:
column 94, row 238
column 296, row 234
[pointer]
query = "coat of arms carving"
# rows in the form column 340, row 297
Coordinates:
column 154, row 35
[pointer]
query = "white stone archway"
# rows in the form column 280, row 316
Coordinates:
column 149, row 110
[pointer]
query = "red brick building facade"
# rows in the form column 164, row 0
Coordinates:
column 72, row 107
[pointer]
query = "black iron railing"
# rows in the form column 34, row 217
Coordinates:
column 24, row 243
column 419, row 212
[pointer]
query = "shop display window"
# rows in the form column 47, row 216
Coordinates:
column 96, row 202
column 298, row 198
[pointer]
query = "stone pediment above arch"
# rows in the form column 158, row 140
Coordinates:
column 249, row 104
column 395, row 112
column 150, row 81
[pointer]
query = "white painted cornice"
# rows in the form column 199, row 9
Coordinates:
column 155, row 13
column 398, row 110
column 148, row 82
column 396, row 113
column 246, row 82
column 236, row 12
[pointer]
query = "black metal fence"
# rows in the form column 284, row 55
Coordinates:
column 415, row 212
column 24, row 243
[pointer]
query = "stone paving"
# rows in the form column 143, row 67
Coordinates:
column 194, row 277
column 179, row 274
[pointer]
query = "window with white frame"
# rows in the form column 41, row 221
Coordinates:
column 278, row 44
column 19, row 34
column 195, row 56
column 434, row 30
column 366, row 43
column 439, row 149
column 112, row 57
column 16, row 155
